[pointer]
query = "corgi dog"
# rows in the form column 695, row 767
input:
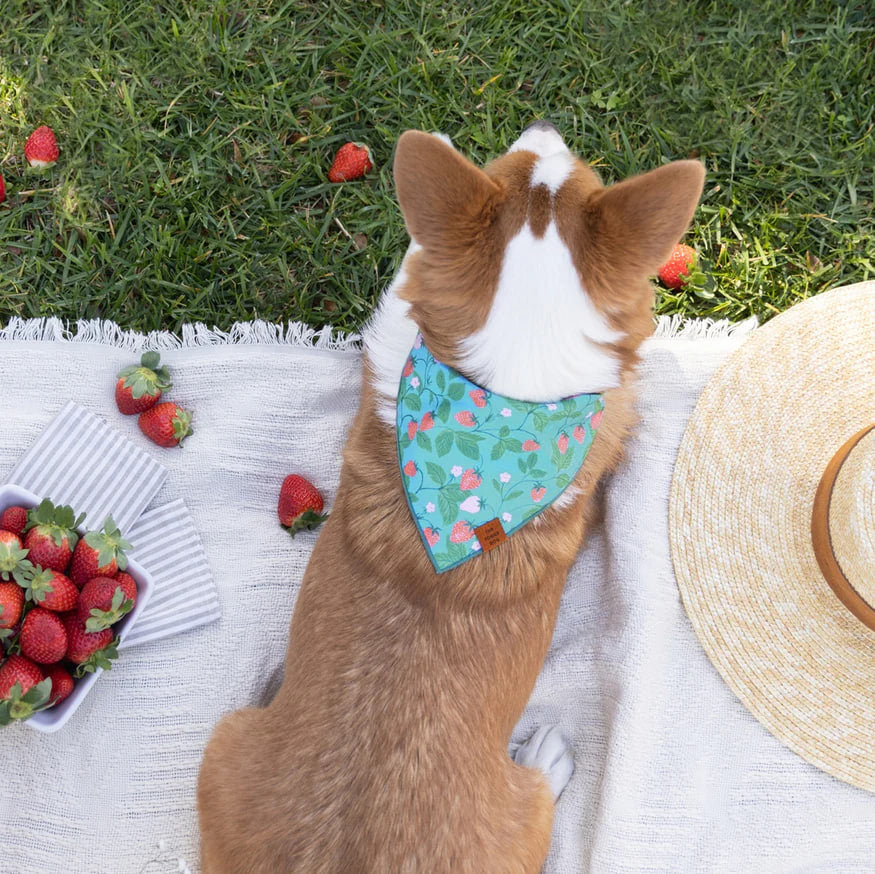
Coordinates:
column 385, row 749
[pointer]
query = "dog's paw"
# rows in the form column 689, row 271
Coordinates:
column 549, row 752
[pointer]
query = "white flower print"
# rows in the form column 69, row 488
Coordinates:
column 504, row 477
column 551, row 406
column 475, row 547
column 506, row 517
column 415, row 382
column 429, row 507
column 455, row 470
column 505, row 412
column 471, row 504
column 417, row 343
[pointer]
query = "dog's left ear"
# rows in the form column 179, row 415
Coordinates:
column 446, row 200
column 646, row 215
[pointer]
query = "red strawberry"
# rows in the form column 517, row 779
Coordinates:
column 99, row 554
column 479, row 397
column 166, row 424
column 11, row 604
column 676, row 271
column 431, row 536
column 410, row 468
column 408, row 367
column 411, row 430
column 21, row 670
column 531, row 446
column 465, row 419
column 13, row 558
column 579, row 433
column 427, row 422
column 128, row 585
column 562, row 443
column 300, row 505
column 538, row 493
column 23, row 689
column 53, row 591
column 62, row 683
column 352, row 161
column 461, row 533
column 2, row 189
column 43, row 638
column 41, row 148
column 51, row 535
column 102, row 603
column 595, row 421
column 14, row 519
column 139, row 387
column 88, row 650
column 469, row 480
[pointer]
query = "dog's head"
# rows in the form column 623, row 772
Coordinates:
column 532, row 277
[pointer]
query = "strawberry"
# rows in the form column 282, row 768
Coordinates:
column 13, row 558
column 41, row 148
column 23, row 689
column 128, row 585
column 410, row 468
column 479, row 397
column 51, row 535
column 43, row 637
column 102, row 603
column 595, row 421
column 562, row 443
column 411, row 430
column 427, row 422
column 11, row 604
column 431, row 536
column 676, row 271
column 139, row 387
column 300, row 505
column 2, row 189
column 408, row 367
column 465, row 419
column 166, row 424
column 14, row 519
column 52, row 590
column 469, row 480
column 537, row 493
column 531, row 446
column 62, row 683
column 99, row 554
column 89, row 651
column 352, row 161
column 461, row 533
column 579, row 433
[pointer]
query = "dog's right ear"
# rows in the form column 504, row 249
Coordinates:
column 446, row 200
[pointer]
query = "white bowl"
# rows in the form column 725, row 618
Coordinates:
column 57, row 716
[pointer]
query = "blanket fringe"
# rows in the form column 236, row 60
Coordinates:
column 292, row 334
column 195, row 334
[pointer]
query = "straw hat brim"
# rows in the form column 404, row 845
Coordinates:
column 747, row 470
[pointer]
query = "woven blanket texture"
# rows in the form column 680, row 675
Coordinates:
column 672, row 773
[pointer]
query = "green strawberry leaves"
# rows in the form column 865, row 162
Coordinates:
column 18, row 707
column 100, row 619
column 307, row 521
column 101, row 658
column 55, row 522
column 14, row 563
column 147, row 378
column 37, row 584
column 109, row 544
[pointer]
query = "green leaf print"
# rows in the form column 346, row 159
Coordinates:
column 458, row 551
column 411, row 400
column 563, row 480
column 467, row 445
column 441, row 380
column 444, row 443
column 514, row 495
column 403, row 442
column 497, row 450
column 504, row 431
column 423, row 440
column 537, row 473
column 448, row 508
column 539, row 420
column 456, row 391
column 513, row 445
column 522, row 464
column 413, row 497
column 443, row 410
column 436, row 473
column 531, row 461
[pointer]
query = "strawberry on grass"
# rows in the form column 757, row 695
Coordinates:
column 51, row 535
column 166, row 424
column 24, row 689
column 300, row 505
column 99, row 554
column 41, row 148
column 2, row 189
column 140, row 387
column 352, row 161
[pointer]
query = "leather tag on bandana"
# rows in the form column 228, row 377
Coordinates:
column 490, row 534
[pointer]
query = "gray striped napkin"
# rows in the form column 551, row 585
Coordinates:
column 79, row 460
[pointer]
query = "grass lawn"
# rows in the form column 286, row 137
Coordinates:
column 196, row 137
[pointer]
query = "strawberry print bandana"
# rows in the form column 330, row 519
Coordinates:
column 476, row 465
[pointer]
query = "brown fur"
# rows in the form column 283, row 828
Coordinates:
column 385, row 749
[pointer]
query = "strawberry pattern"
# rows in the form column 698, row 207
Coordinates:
column 470, row 456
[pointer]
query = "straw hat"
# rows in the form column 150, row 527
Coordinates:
column 772, row 520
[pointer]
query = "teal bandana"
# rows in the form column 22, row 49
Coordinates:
column 476, row 465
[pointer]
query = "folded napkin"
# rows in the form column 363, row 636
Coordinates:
column 79, row 460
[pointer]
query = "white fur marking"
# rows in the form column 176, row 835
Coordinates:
column 553, row 170
column 548, row 752
column 543, row 338
column 541, row 141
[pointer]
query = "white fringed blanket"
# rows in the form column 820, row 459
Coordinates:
column 673, row 775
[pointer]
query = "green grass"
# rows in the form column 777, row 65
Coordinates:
column 196, row 138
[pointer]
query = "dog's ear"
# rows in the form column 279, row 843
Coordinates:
column 645, row 216
column 446, row 200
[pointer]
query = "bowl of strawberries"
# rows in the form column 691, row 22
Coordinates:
column 68, row 597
